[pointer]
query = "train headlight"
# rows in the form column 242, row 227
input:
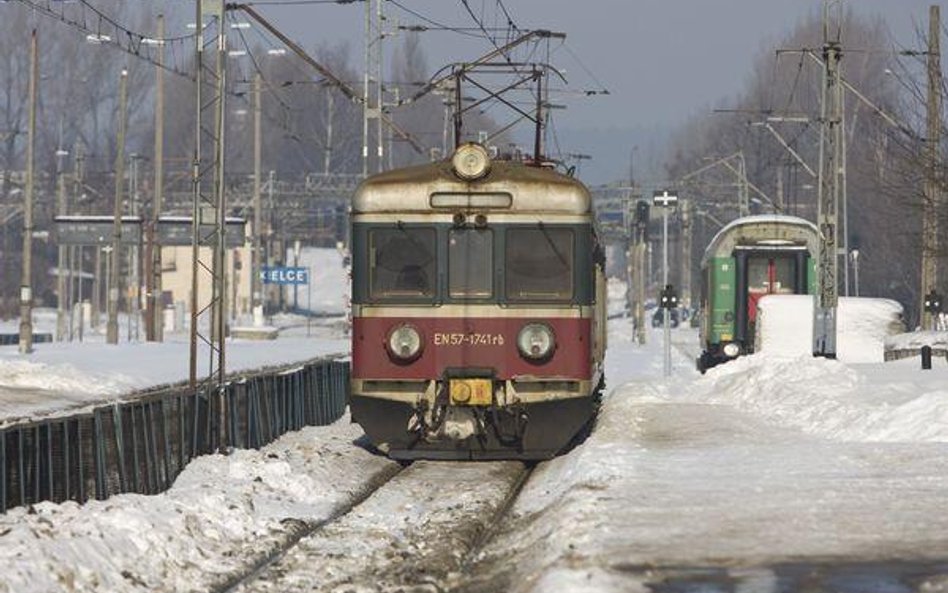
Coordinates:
column 471, row 161
column 536, row 341
column 404, row 343
column 731, row 349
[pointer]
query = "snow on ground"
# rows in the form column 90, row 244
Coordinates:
column 767, row 459
column 915, row 340
column 221, row 512
column 64, row 377
column 763, row 460
column 864, row 324
column 617, row 297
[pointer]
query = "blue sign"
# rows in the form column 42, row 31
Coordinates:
column 285, row 276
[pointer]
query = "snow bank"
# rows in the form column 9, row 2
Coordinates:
column 915, row 340
column 892, row 402
column 785, row 326
column 221, row 511
column 616, row 293
column 64, row 377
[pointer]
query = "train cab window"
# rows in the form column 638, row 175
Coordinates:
column 402, row 263
column 470, row 259
column 539, row 264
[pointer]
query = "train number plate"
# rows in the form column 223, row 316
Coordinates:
column 470, row 392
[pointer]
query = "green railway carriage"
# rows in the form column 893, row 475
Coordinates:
column 751, row 257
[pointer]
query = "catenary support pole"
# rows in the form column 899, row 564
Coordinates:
column 256, row 267
column 830, row 185
column 111, row 328
column 26, row 282
column 154, row 322
column 932, row 200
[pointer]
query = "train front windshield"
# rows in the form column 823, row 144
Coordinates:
column 402, row 262
column 430, row 264
column 539, row 264
column 470, row 263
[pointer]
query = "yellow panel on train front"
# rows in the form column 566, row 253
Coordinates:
column 471, row 392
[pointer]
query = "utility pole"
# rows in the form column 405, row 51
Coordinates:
column 637, row 264
column 77, row 181
column 208, row 213
column 61, row 287
column 630, row 227
column 743, row 193
column 272, row 297
column 154, row 322
column 327, row 153
column 26, row 282
column 134, row 295
column 686, row 237
column 830, row 184
column 111, row 328
column 372, row 97
column 256, row 269
column 666, row 201
column 932, row 200
column 640, row 259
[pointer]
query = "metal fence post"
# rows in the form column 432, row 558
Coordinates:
column 79, row 464
column 66, row 464
column 119, row 432
column 3, row 471
column 101, row 485
column 166, row 457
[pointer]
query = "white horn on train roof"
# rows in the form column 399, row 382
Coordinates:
column 471, row 161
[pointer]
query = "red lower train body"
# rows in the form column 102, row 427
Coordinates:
column 469, row 393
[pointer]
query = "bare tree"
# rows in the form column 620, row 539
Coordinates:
column 781, row 98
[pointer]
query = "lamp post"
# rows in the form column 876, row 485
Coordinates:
column 665, row 200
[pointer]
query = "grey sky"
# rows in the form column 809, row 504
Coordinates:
column 662, row 60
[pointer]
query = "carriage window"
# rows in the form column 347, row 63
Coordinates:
column 470, row 257
column 539, row 264
column 770, row 275
column 402, row 262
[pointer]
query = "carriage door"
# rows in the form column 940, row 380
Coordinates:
column 768, row 274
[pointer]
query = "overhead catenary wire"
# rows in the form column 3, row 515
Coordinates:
column 103, row 29
column 430, row 21
column 106, row 29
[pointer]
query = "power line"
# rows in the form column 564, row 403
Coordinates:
column 430, row 21
column 300, row 2
column 487, row 35
column 108, row 31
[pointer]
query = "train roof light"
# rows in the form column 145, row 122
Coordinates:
column 471, row 161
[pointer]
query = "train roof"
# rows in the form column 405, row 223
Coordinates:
column 764, row 230
column 524, row 189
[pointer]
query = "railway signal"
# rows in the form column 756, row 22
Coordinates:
column 933, row 302
column 665, row 200
column 668, row 298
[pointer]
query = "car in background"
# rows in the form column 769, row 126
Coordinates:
column 674, row 318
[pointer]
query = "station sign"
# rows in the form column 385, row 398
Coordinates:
column 176, row 231
column 173, row 231
column 96, row 230
column 285, row 275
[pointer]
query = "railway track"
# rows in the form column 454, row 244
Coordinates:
column 415, row 528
